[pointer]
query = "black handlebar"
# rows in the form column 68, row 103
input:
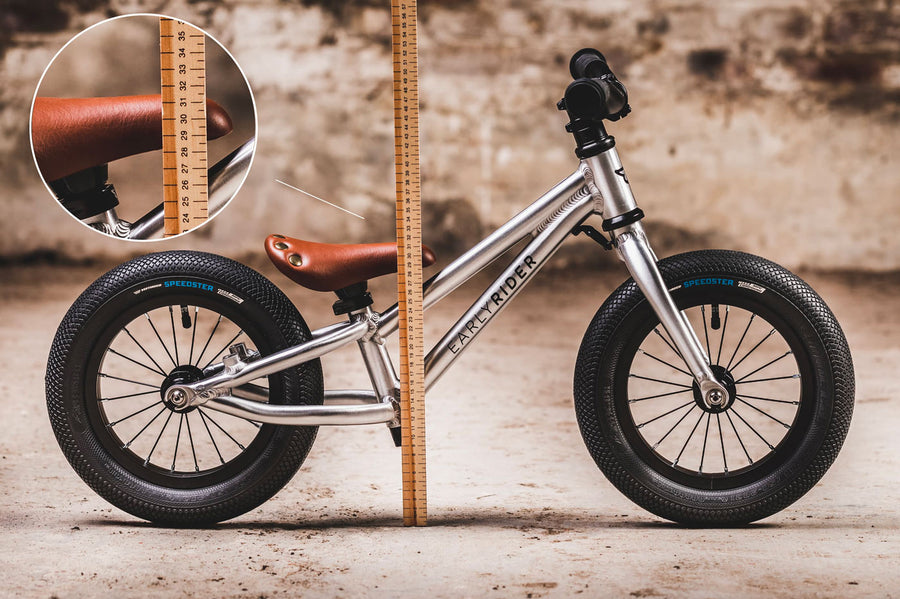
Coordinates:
column 594, row 96
column 596, row 83
column 589, row 63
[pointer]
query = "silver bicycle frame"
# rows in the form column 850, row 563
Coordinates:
column 598, row 187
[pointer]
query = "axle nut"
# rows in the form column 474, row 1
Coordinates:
column 715, row 397
column 178, row 398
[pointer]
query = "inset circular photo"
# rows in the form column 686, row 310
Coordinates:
column 143, row 127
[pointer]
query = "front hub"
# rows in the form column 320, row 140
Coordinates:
column 726, row 380
column 181, row 375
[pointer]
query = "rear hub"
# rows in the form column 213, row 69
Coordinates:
column 181, row 375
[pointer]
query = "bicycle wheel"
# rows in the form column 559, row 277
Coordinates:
column 779, row 351
column 159, row 320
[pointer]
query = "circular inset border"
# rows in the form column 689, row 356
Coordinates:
column 245, row 153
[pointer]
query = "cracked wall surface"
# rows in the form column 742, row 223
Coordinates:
column 766, row 126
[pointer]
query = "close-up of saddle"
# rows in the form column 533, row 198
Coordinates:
column 73, row 134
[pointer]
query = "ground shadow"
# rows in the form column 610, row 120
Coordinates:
column 540, row 520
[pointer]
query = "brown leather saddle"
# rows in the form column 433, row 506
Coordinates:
column 73, row 134
column 331, row 267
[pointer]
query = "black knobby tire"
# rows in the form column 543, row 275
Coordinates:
column 188, row 284
column 815, row 402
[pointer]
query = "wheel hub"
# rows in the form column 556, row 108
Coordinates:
column 181, row 375
column 727, row 380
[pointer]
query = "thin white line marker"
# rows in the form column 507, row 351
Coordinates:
column 320, row 199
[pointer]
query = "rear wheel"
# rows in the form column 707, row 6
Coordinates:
column 775, row 346
column 166, row 319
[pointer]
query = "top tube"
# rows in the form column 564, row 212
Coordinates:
column 490, row 248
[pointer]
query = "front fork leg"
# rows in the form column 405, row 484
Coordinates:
column 634, row 249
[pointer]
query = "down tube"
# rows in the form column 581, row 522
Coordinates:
column 501, row 292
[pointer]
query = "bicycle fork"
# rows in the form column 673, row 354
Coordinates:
column 614, row 201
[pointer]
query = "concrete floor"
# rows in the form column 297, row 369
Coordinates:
column 516, row 506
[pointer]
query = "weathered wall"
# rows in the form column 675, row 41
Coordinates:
column 770, row 126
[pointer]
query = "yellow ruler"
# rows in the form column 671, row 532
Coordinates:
column 409, row 260
column 182, row 53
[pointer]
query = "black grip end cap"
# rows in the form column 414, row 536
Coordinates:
column 581, row 60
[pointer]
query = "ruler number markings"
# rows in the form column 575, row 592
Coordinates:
column 183, row 83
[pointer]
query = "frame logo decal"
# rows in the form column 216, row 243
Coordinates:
column 522, row 271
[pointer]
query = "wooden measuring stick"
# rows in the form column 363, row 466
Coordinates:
column 409, row 260
column 182, row 53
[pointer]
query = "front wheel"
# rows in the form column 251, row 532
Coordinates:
column 777, row 348
column 165, row 319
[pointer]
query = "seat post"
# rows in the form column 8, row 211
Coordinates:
column 87, row 193
column 352, row 298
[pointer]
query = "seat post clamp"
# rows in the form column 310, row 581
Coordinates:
column 352, row 298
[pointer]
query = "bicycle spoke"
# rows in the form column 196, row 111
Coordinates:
column 136, row 362
column 112, row 424
column 125, row 396
column 146, row 353
column 740, row 341
column 666, row 341
column 763, row 412
column 738, row 435
column 774, row 378
column 209, row 432
column 152, row 420
column 722, row 441
column 772, row 332
column 705, row 331
column 766, row 365
column 219, row 426
column 147, row 314
column 227, row 345
column 194, row 333
column 660, row 395
column 647, row 378
column 200, row 357
column 177, row 440
column 674, row 426
column 158, row 437
column 722, row 338
column 666, row 363
column 688, row 440
column 187, row 421
column 174, row 336
column 109, row 376
column 705, row 436
column 752, row 429
column 793, row 403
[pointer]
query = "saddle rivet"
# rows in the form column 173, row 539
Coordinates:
column 295, row 260
column 281, row 245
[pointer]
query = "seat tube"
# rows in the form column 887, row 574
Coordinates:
column 379, row 366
